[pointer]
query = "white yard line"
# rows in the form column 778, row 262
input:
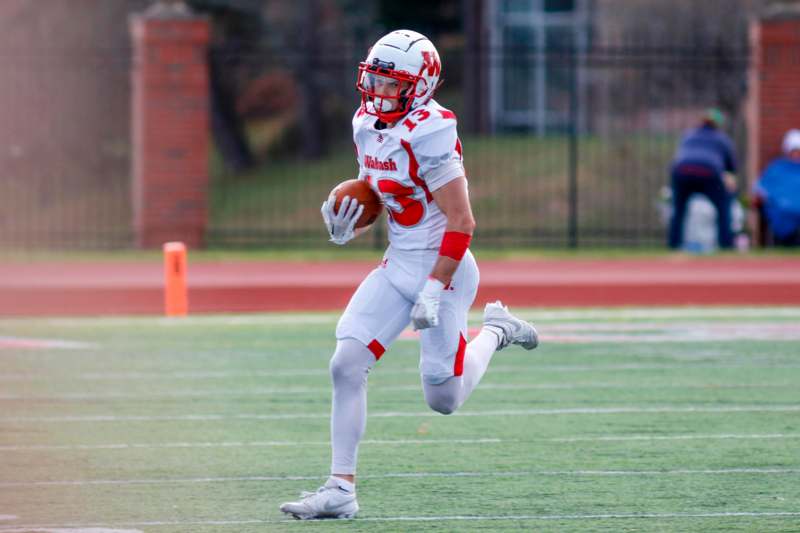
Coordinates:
column 270, row 391
column 395, row 414
column 434, row 518
column 723, row 436
column 390, row 442
column 401, row 475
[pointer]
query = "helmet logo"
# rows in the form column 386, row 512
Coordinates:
column 430, row 60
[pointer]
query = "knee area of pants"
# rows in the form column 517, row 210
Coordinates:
column 344, row 372
column 445, row 406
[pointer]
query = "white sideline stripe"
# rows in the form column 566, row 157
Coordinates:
column 386, row 442
column 394, row 414
column 233, row 444
column 545, row 315
column 394, row 388
column 638, row 313
column 664, row 313
column 132, row 376
column 549, row 473
column 265, row 319
column 609, row 516
column 690, row 327
column 68, row 529
column 28, row 342
column 657, row 332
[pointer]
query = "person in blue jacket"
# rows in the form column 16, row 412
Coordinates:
column 779, row 191
column 704, row 163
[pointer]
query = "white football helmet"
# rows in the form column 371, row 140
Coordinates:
column 400, row 73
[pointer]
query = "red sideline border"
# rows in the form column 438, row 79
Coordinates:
column 103, row 289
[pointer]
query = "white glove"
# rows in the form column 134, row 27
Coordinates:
column 425, row 313
column 341, row 226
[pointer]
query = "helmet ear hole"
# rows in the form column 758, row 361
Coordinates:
column 421, row 87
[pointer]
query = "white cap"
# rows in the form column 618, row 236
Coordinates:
column 791, row 141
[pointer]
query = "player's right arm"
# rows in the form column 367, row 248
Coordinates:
column 341, row 226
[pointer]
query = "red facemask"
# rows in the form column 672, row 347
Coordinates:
column 399, row 90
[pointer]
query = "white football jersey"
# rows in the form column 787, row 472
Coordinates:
column 404, row 164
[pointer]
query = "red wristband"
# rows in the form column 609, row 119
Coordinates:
column 455, row 244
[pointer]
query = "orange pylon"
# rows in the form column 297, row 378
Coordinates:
column 176, row 301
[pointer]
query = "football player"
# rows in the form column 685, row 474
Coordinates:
column 409, row 152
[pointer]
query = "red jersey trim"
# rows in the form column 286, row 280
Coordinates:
column 413, row 170
column 458, row 367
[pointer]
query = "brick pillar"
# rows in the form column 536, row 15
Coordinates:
column 774, row 88
column 170, row 122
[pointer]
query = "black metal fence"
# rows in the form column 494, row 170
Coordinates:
column 65, row 149
column 574, row 152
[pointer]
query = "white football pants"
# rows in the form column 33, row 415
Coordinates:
column 349, row 368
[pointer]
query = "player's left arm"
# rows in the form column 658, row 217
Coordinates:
column 453, row 199
column 441, row 165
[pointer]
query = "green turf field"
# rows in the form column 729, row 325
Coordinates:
column 623, row 420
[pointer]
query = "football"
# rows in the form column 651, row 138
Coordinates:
column 361, row 191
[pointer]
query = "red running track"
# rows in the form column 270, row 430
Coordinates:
column 116, row 288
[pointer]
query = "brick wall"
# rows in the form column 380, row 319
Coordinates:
column 774, row 88
column 170, row 128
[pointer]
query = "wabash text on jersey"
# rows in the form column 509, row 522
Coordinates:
column 404, row 164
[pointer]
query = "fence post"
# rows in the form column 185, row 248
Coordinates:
column 170, row 125
column 475, row 61
column 572, row 223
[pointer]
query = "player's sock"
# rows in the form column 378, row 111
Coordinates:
column 342, row 484
column 349, row 368
column 476, row 359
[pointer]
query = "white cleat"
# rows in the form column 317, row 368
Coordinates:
column 330, row 501
column 509, row 328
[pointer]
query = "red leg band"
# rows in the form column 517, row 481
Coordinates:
column 376, row 348
column 455, row 244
